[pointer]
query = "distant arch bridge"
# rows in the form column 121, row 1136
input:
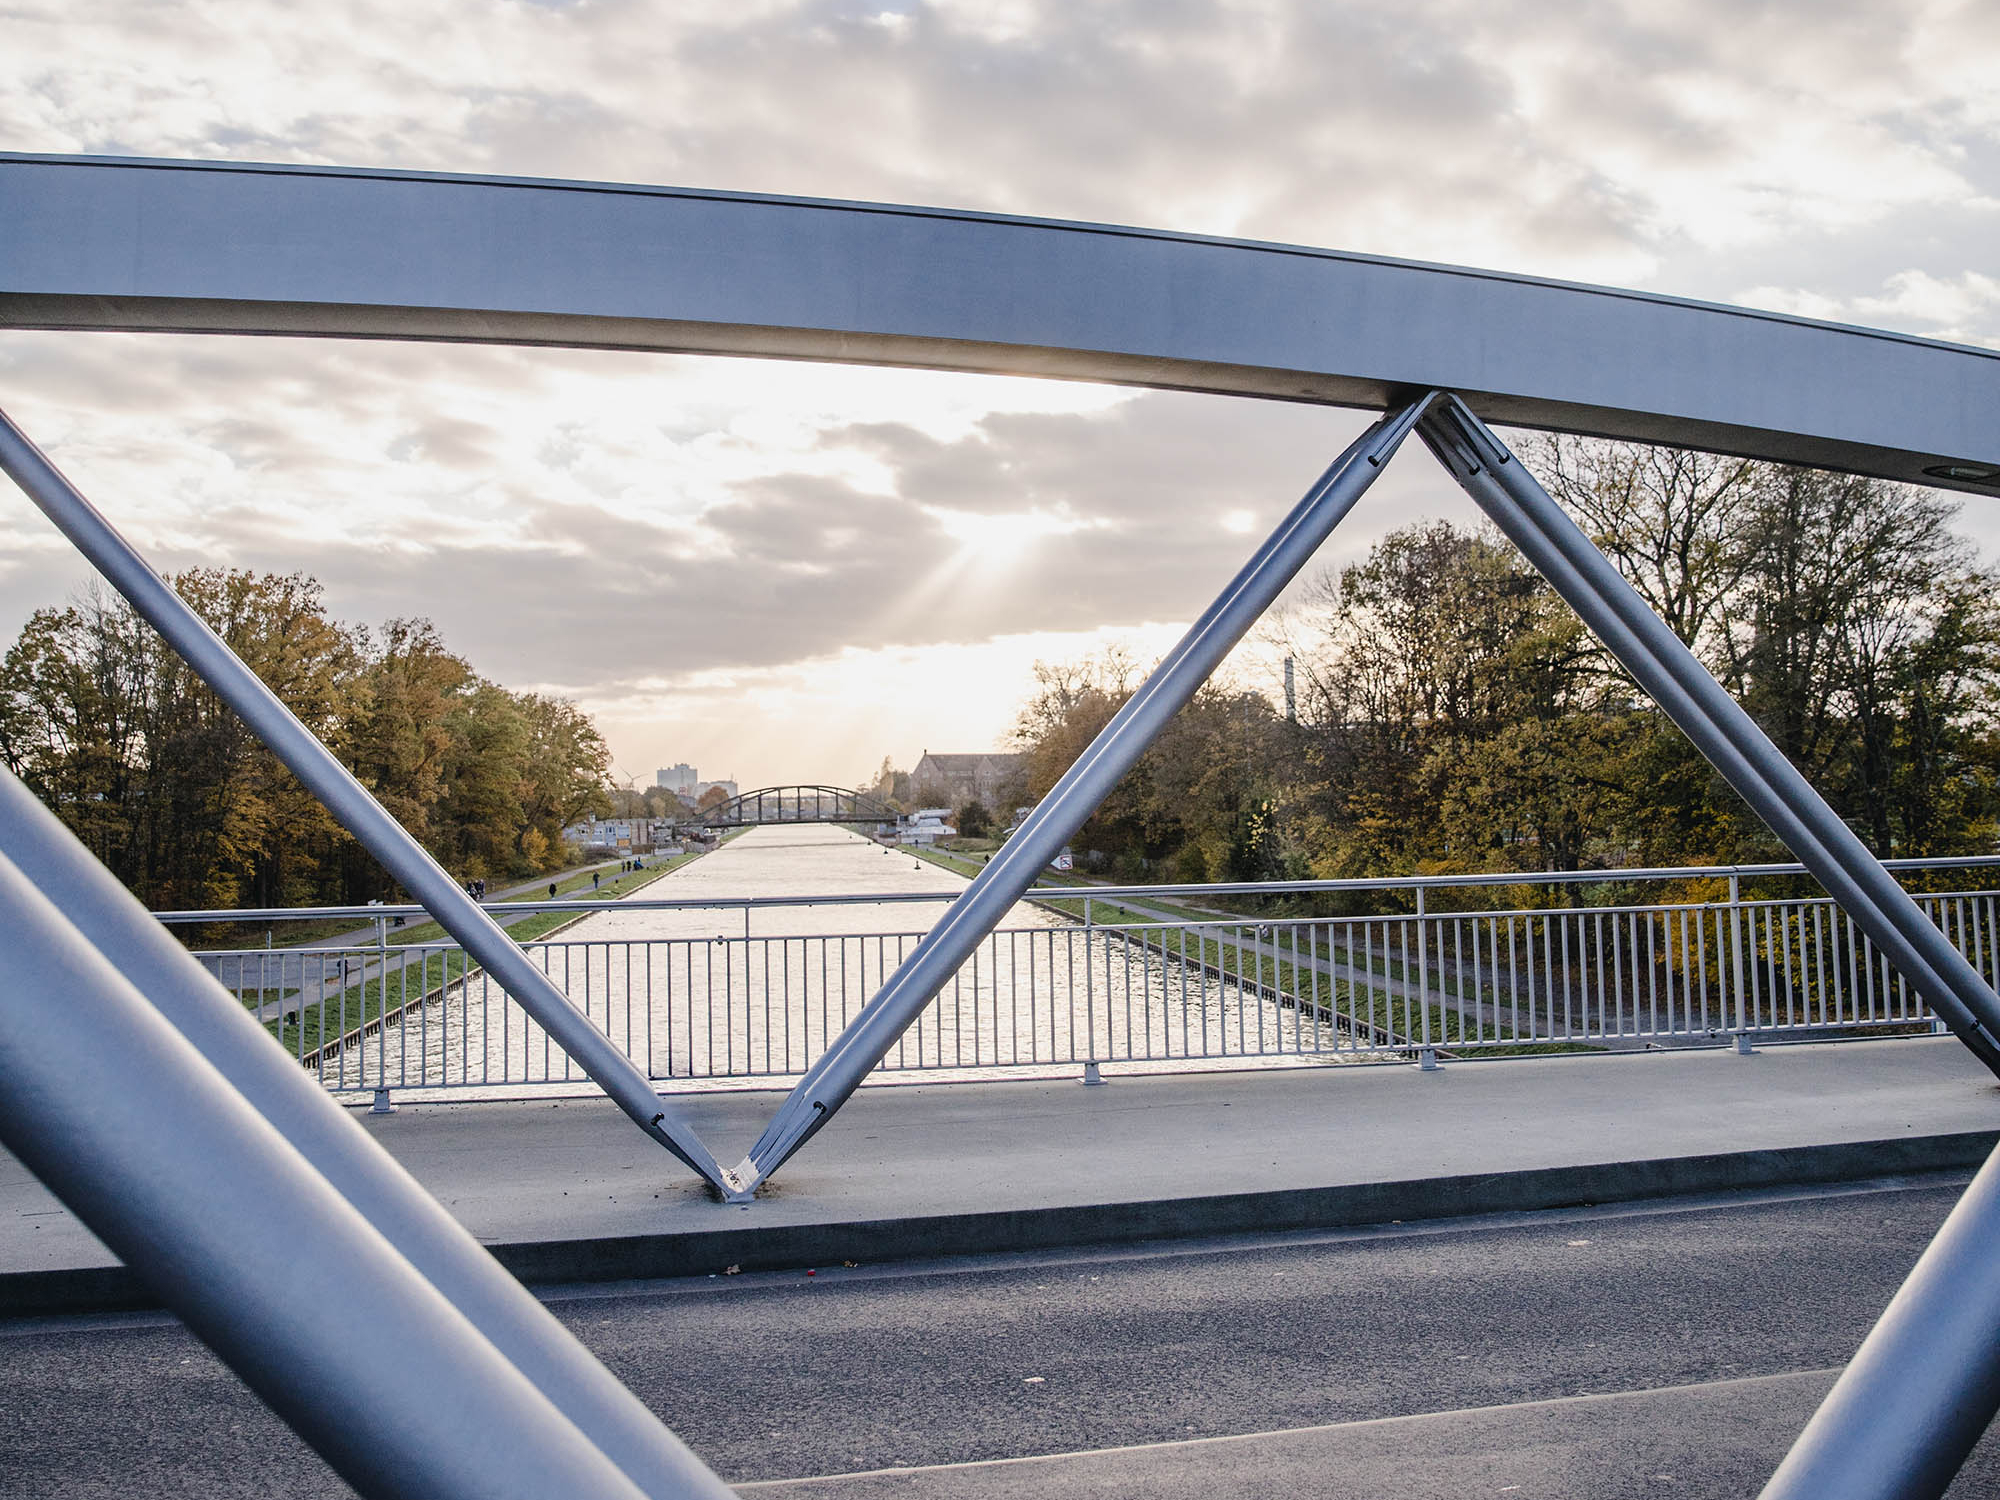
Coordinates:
column 795, row 804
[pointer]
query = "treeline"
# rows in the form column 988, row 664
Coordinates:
column 170, row 789
column 1454, row 715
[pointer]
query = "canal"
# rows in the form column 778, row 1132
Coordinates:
column 725, row 995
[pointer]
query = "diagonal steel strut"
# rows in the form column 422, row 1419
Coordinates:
column 110, row 919
column 153, row 1149
column 1926, row 1381
column 1672, row 676
column 358, row 811
column 868, row 1038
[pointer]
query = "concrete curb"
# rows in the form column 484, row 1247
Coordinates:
column 784, row 1246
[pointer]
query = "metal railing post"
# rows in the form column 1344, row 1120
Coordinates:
column 1002, row 882
column 351, row 803
column 1736, row 963
column 1428, row 1057
column 382, row 1106
column 1090, row 995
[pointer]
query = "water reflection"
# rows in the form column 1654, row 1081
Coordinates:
column 719, row 995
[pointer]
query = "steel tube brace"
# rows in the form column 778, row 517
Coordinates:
column 167, row 1164
column 1675, row 679
column 1924, row 1384
column 350, row 802
column 1118, row 746
column 111, row 919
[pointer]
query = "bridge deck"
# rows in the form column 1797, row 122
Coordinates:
column 576, row 1194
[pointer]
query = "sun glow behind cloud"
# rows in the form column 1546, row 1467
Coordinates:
column 612, row 523
column 1005, row 540
column 849, row 708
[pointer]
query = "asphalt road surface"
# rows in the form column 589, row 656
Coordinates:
column 1660, row 1350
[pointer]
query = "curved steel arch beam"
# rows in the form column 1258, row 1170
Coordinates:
column 210, row 247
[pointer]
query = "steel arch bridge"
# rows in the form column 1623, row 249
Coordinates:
column 794, row 804
column 1442, row 351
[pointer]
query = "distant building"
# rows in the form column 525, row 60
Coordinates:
column 632, row 835
column 993, row 780
column 925, row 826
column 685, row 782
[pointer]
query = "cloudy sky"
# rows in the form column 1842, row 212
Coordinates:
column 629, row 529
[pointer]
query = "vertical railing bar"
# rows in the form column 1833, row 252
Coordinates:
column 1819, row 964
column 1701, row 962
column 1652, row 978
column 1569, row 1017
column 1785, row 939
column 1760, row 960
column 1462, row 923
column 1854, row 978
column 1423, row 967
column 1513, row 981
column 1991, row 945
column 1187, row 1050
column 1618, row 1000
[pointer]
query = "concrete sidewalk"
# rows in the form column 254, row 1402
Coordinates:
column 569, row 1191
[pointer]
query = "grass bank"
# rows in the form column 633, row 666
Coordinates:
column 354, row 1010
column 1285, row 973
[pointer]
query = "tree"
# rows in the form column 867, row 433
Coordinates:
column 1842, row 611
column 139, row 756
column 1670, row 518
column 1867, row 645
column 892, row 787
column 974, row 821
column 1457, row 714
column 1185, row 800
column 75, row 689
column 402, row 740
column 565, row 767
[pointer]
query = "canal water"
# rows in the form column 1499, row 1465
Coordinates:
column 727, row 994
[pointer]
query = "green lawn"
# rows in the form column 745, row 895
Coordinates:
column 361, row 1005
column 1448, row 1026
column 573, row 888
column 235, row 936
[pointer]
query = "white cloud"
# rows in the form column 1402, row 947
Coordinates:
column 1963, row 309
column 581, row 518
column 1948, row 308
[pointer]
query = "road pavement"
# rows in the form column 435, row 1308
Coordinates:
column 1669, row 1349
column 571, row 1191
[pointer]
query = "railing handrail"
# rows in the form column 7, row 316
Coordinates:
column 1071, row 893
column 1117, row 927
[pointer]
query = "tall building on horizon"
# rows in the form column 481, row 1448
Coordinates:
column 680, row 780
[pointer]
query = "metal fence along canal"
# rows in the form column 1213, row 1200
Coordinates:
column 1146, row 976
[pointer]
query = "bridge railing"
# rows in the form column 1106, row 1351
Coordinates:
column 1145, row 977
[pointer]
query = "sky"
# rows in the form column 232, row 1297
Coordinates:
column 641, row 532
